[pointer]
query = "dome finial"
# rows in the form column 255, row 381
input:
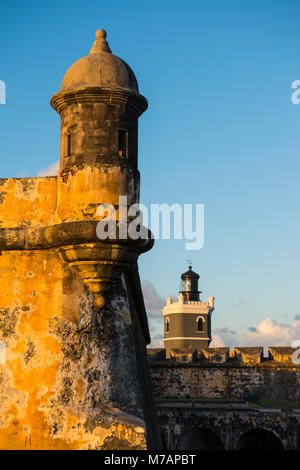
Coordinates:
column 100, row 45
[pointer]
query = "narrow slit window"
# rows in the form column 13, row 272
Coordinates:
column 167, row 325
column 69, row 145
column 123, row 143
column 200, row 324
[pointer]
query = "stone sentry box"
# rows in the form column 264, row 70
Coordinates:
column 72, row 315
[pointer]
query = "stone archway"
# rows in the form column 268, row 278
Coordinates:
column 200, row 439
column 163, row 442
column 259, row 439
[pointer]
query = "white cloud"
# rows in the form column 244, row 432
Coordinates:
column 268, row 332
column 217, row 342
column 156, row 342
column 153, row 302
column 52, row 170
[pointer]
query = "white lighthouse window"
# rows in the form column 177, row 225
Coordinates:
column 167, row 325
column 200, row 324
column 186, row 285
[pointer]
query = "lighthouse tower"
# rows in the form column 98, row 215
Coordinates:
column 187, row 321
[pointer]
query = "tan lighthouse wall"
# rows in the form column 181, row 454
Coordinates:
column 181, row 332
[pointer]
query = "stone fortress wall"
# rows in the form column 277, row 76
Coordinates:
column 242, row 373
column 49, row 367
column 219, row 398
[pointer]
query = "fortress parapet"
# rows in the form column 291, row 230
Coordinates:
column 250, row 355
column 214, row 374
column 281, row 354
column 217, row 355
column 239, row 356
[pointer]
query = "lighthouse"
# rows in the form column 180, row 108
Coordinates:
column 187, row 321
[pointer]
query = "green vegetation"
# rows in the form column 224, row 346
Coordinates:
column 260, row 403
column 198, row 399
column 268, row 403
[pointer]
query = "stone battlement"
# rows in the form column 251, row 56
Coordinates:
column 220, row 373
column 224, row 355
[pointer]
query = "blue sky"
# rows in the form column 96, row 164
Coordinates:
column 220, row 130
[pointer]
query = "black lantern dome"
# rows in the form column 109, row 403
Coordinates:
column 189, row 285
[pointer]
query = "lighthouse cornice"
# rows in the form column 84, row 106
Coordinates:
column 188, row 306
column 189, row 309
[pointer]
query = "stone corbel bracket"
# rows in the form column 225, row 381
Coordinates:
column 99, row 263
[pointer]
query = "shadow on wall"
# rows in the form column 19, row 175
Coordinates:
column 205, row 439
column 259, row 439
column 200, row 439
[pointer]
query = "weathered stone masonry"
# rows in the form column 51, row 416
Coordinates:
column 228, row 393
column 73, row 327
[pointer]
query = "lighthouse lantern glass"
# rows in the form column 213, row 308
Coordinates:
column 186, row 285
